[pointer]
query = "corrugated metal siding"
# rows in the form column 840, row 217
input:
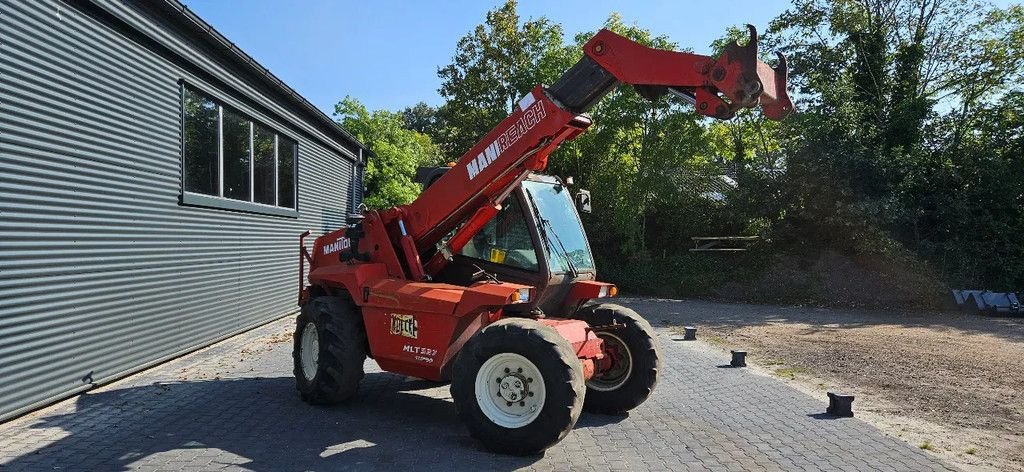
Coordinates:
column 358, row 187
column 101, row 270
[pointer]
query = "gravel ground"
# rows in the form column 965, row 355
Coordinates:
column 948, row 383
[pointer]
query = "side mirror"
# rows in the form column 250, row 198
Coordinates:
column 583, row 201
column 562, row 184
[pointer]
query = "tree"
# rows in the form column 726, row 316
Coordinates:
column 992, row 62
column 421, row 118
column 493, row 67
column 397, row 152
column 968, row 204
column 898, row 99
column 869, row 73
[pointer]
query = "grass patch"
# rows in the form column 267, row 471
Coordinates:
column 927, row 446
column 770, row 362
column 716, row 340
column 790, row 373
column 972, row 451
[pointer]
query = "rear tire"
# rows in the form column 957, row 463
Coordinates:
column 518, row 386
column 634, row 375
column 329, row 350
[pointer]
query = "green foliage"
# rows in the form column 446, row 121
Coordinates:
column 902, row 103
column 397, row 152
column 421, row 118
column 493, row 67
column 964, row 208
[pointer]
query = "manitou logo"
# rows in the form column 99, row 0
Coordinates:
column 533, row 112
column 339, row 245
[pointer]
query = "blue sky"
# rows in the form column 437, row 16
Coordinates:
column 386, row 53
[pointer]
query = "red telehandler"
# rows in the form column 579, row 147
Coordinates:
column 487, row 279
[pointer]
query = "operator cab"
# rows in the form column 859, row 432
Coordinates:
column 536, row 239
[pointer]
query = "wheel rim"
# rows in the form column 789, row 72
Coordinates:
column 622, row 365
column 510, row 390
column 309, row 351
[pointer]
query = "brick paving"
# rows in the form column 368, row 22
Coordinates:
column 233, row 406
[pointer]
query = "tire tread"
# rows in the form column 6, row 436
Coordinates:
column 646, row 367
column 342, row 350
column 548, row 348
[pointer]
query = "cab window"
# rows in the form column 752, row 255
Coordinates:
column 505, row 239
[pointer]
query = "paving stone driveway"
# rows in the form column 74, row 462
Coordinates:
column 234, row 406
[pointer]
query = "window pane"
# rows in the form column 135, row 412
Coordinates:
column 505, row 239
column 286, row 152
column 263, row 164
column 566, row 239
column 236, row 155
column 200, row 153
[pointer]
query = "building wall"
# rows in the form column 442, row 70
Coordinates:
column 102, row 270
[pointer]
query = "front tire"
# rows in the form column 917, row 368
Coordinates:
column 518, row 386
column 636, row 360
column 329, row 350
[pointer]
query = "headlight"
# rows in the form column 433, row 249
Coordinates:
column 521, row 296
column 607, row 291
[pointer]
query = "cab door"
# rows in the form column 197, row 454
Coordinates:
column 507, row 246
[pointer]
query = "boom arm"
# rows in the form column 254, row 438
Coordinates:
column 472, row 191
